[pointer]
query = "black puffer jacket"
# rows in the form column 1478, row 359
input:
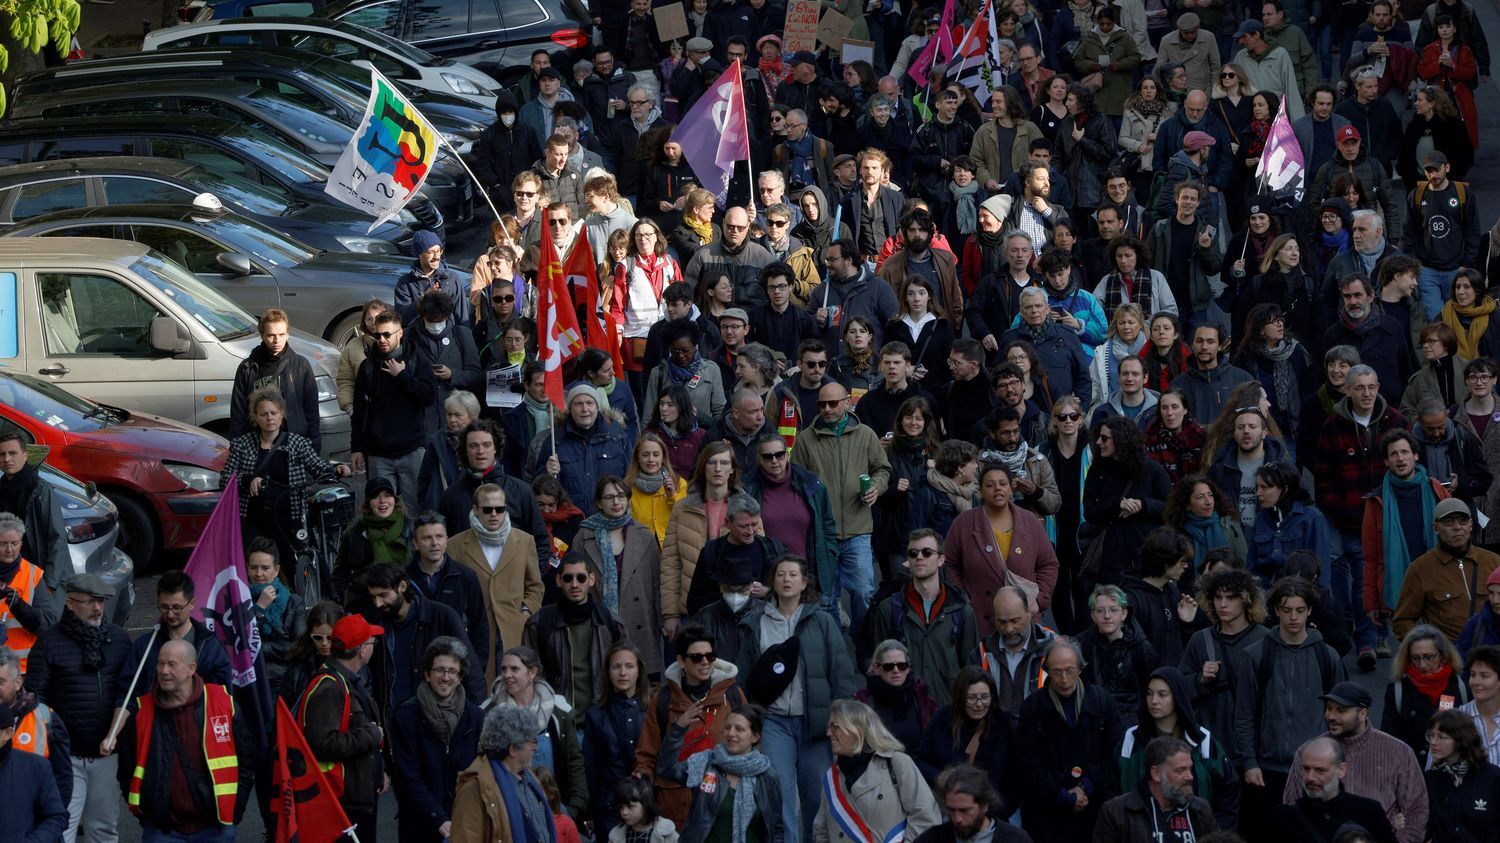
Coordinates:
column 1121, row 667
column 84, row 698
column 293, row 375
column 501, row 153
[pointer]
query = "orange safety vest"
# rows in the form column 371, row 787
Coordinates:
column 31, row 732
column 788, row 419
column 218, row 750
column 334, row 770
column 18, row 639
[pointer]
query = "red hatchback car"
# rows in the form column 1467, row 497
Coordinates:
column 162, row 475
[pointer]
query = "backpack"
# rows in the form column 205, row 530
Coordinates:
column 1461, row 189
column 1158, row 183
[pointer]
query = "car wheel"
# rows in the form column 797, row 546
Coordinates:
column 138, row 533
column 344, row 329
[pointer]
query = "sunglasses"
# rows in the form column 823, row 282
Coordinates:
column 493, row 510
column 779, row 455
column 700, row 658
column 558, row 222
column 573, row 578
column 385, row 335
column 525, row 194
column 830, row 404
column 1069, row 417
column 895, row 667
column 500, row 299
column 921, row 553
column 815, row 364
column 1226, row 75
column 776, row 223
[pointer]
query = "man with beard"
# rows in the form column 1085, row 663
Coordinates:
column 392, row 391
column 505, row 562
column 429, row 273
column 1233, row 468
column 1207, row 385
column 1033, row 212
column 411, row 622
column 1012, row 655
column 1163, row 806
column 872, row 210
column 274, row 363
column 1442, row 230
column 851, row 290
column 175, row 593
column 917, row 258
column 969, row 800
column 1367, row 252
column 937, row 143
column 480, row 446
column 81, row 668
column 1058, row 347
column 23, row 495
column 734, row 255
column 573, row 635
column 441, row 578
column 1031, row 473
column 1327, row 807
column 1377, row 766
column 1382, row 343
column 1196, row 117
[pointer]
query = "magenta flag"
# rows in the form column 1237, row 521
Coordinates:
column 713, row 134
column 1281, row 167
column 939, row 48
column 217, row 568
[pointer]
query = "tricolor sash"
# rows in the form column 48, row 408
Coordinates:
column 849, row 821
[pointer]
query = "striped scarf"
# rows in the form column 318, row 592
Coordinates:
column 1138, row 290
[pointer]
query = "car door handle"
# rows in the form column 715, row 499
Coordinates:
column 59, row 369
column 490, row 44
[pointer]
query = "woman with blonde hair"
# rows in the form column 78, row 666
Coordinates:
column 1231, row 102
column 654, row 485
column 865, row 751
column 1126, row 338
column 1426, row 677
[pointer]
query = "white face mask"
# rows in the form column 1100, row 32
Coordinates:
column 508, row 119
column 735, row 600
column 434, row 328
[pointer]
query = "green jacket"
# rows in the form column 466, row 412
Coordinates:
column 1304, row 58
column 838, row 459
column 1121, row 49
column 824, row 667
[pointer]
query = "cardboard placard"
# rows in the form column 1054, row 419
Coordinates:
column 833, row 29
column 801, row 30
column 671, row 22
column 853, row 51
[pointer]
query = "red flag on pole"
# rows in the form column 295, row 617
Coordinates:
column 939, row 48
column 306, row 809
column 557, row 324
column 600, row 330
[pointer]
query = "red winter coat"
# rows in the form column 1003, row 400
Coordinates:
column 1455, row 80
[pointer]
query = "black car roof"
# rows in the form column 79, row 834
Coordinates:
column 198, row 125
column 247, row 54
column 102, row 165
column 124, row 214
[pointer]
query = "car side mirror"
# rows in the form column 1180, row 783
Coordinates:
column 234, row 263
column 166, row 336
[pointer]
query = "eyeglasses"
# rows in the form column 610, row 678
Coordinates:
column 895, row 667
column 776, row 288
column 700, row 658
column 503, row 299
column 830, row 404
column 791, row 125
column 977, row 699
column 386, row 335
column 1425, row 658
column 768, row 189
column 921, row 553
column 614, row 497
column 1479, row 376
column 444, row 671
column 814, row 364
column 525, row 194
column 1065, row 672
column 573, row 578
column 320, row 639
column 1068, row 417
column 171, row 609
column 773, row 457
column 640, row 102
column 493, row 510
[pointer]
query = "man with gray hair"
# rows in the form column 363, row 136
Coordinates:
column 624, row 138
column 742, row 551
column 507, row 745
column 1061, row 352
column 1326, row 807
column 770, row 189
column 1165, row 806
column 1368, row 249
column 38, row 728
column 741, row 426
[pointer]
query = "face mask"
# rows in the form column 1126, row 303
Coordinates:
column 434, row 328
column 735, row 600
column 508, row 119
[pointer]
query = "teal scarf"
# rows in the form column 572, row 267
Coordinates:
column 539, row 412
column 601, row 525
column 1393, row 539
column 1207, row 534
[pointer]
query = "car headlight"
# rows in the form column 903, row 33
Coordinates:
column 368, row 245
column 327, row 389
column 462, row 85
column 194, row 477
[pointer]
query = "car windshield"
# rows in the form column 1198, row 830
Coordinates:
column 300, row 119
column 50, row 404
column 243, row 195
column 260, row 242
column 276, row 156
column 385, row 42
column 339, row 89
column 225, row 319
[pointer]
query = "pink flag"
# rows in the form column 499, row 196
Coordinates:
column 713, row 134
column 217, row 568
column 939, row 48
column 1281, row 167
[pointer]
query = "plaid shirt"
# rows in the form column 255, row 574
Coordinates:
column 304, row 466
column 1349, row 461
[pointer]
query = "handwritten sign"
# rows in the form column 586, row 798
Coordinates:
column 801, row 31
column 833, row 29
column 671, row 22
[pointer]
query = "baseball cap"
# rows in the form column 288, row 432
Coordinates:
column 1188, row 22
column 735, row 313
column 1346, row 133
column 1348, row 694
column 1195, row 141
column 804, row 57
column 549, row 73
column 1248, row 27
column 1449, row 507
column 700, row 45
column 353, row 630
column 1434, row 159
column 90, row 584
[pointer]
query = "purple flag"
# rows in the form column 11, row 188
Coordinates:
column 713, row 134
column 939, row 48
column 1281, row 170
column 217, row 568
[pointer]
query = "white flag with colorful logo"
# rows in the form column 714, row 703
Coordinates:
column 388, row 158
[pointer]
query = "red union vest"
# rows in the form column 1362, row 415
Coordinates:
column 334, row 770
column 218, row 750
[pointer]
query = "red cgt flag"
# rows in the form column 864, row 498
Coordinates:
column 557, row 324
column 306, row 809
column 599, row 328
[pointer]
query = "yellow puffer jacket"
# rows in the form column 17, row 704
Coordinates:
column 655, row 510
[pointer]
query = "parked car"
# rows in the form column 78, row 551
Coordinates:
column 127, row 326
column 161, row 475
column 321, row 137
column 497, row 36
column 30, row 190
column 396, row 59
column 93, row 526
column 226, row 149
column 255, row 266
column 336, row 88
column 199, row 10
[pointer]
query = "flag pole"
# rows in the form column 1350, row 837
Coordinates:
column 119, row 719
column 484, row 192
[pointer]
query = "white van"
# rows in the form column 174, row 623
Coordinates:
column 122, row 324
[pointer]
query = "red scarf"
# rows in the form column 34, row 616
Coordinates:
column 1432, row 685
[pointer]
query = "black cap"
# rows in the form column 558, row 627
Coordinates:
column 549, row 72
column 376, row 485
column 804, row 57
column 1347, row 694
